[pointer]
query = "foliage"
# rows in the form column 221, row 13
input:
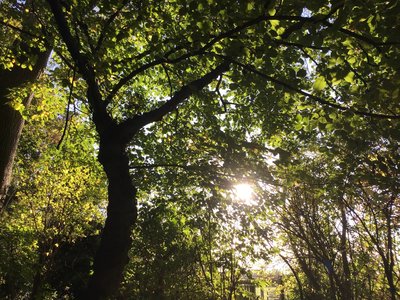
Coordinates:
column 58, row 199
column 189, row 98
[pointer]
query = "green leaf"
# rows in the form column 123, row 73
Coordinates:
column 349, row 77
column 250, row 5
column 320, row 83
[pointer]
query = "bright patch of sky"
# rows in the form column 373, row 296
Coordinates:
column 243, row 193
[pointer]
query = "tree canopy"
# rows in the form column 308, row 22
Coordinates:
column 147, row 116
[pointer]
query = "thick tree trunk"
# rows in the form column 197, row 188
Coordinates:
column 112, row 255
column 11, row 121
column 11, row 124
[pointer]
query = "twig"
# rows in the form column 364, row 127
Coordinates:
column 355, row 72
column 219, row 93
column 71, row 88
column 317, row 64
column 203, row 168
column 169, row 79
column 107, row 25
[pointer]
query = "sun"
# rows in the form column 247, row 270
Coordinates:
column 243, row 192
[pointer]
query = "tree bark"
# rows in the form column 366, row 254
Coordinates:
column 389, row 262
column 112, row 254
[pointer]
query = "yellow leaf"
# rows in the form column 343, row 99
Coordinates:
column 319, row 84
column 349, row 77
column 274, row 23
column 272, row 11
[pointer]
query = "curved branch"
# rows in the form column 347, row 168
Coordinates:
column 71, row 89
column 130, row 76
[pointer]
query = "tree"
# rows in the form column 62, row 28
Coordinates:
column 260, row 63
column 337, row 208
column 57, row 209
column 24, row 58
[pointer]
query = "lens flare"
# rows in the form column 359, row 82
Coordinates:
column 244, row 192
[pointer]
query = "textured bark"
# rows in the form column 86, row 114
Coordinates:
column 11, row 121
column 112, row 254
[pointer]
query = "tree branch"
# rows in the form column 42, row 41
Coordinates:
column 130, row 76
column 199, row 168
column 169, row 79
column 71, row 89
column 108, row 23
column 302, row 20
column 63, row 27
column 298, row 45
column 219, row 93
column 20, row 30
column 318, row 99
column 132, row 125
column 201, row 50
column 101, row 118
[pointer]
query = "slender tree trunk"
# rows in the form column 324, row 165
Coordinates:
column 159, row 293
column 296, row 276
column 112, row 255
column 346, row 286
column 389, row 263
column 312, row 277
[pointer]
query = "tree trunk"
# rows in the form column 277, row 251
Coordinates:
column 11, row 121
column 37, row 281
column 296, row 276
column 332, row 287
column 112, row 255
column 346, row 286
column 389, row 262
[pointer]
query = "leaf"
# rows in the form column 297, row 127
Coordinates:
column 333, row 116
column 349, row 77
column 250, row 6
column 298, row 126
column 272, row 11
column 320, row 83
